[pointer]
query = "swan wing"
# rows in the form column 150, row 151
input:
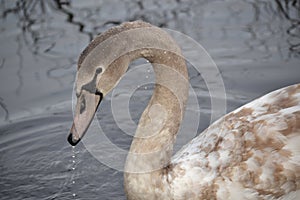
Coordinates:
column 250, row 153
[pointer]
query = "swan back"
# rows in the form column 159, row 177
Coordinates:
column 251, row 153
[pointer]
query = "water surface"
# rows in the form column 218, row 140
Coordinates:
column 255, row 45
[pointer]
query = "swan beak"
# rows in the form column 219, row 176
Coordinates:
column 86, row 107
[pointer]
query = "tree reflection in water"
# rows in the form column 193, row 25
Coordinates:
column 40, row 27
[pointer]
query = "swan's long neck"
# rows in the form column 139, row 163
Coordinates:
column 152, row 146
column 100, row 67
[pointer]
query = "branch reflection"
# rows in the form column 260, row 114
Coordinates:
column 43, row 24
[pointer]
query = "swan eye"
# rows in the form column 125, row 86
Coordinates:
column 82, row 105
column 98, row 71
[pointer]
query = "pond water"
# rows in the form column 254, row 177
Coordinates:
column 254, row 43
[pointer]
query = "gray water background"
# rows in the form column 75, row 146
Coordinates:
column 255, row 44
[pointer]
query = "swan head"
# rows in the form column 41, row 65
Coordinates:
column 88, row 97
column 104, row 61
column 97, row 74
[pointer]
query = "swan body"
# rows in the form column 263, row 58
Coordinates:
column 250, row 153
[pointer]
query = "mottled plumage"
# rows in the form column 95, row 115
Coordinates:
column 251, row 153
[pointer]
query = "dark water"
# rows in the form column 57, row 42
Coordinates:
column 254, row 43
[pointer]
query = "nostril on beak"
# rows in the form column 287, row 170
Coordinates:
column 72, row 141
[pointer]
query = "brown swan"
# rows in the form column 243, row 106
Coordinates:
column 250, row 153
